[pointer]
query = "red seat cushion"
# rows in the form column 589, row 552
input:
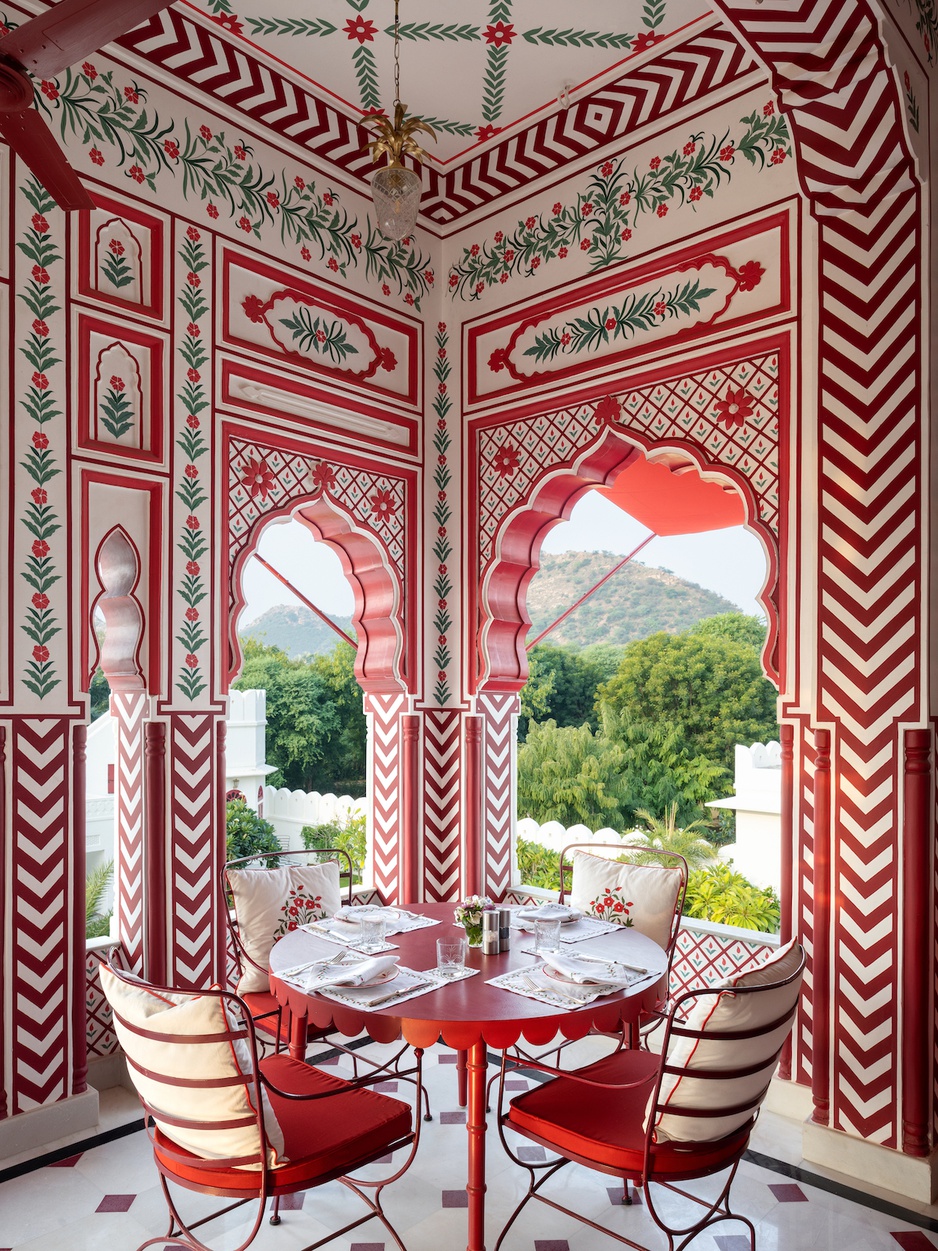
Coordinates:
column 606, row 1126
column 338, row 1133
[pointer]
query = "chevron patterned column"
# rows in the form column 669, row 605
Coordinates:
column 442, row 810
column 196, row 849
column 40, row 990
column 498, row 757
column 129, row 711
column 384, row 714
column 859, row 176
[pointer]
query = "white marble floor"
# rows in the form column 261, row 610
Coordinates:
column 101, row 1194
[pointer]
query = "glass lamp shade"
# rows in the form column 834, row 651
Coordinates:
column 396, row 194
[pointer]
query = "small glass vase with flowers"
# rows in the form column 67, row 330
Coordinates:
column 469, row 915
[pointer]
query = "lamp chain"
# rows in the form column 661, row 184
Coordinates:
column 397, row 53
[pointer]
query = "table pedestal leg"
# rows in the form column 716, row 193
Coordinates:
column 475, row 1125
column 298, row 1031
column 461, row 1096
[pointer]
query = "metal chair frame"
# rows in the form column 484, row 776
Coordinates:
column 722, row 1156
column 171, row 1160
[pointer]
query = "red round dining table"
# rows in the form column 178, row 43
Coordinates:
column 468, row 1015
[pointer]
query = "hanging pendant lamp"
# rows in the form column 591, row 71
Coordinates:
column 395, row 189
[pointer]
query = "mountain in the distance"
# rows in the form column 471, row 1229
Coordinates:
column 639, row 600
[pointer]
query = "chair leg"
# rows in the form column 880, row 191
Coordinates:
column 275, row 1211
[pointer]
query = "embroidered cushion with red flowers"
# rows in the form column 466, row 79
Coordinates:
column 270, row 902
column 644, row 894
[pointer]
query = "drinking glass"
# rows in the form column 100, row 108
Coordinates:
column 372, row 933
column 546, row 936
column 450, row 955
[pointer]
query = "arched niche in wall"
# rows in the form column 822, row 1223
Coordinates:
column 503, row 585
column 381, row 659
column 117, row 565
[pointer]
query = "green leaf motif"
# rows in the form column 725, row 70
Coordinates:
column 493, row 91
column 577, row 38
column 366, row 71
column 653, row 13
column 306, row 26
column 434, row 30
column 116, row 269
column 315, row 334
column 117, row 415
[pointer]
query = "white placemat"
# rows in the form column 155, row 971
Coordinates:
column 399, row 920
column 534, row 984
column 409, row 984
column 344, row 935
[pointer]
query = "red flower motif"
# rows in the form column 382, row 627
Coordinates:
column 192, row 330
column 192, row 472
column 610, row 323
column 305, row 253
column 39, row 496
column 273, row 199
column 192, row 523
column 655, row 162
column 117, row 383
column 327, row 199
column 535, row 262
column 323, row 477
column 566, row 339
column 193, row 422
column 498, row 236
column 530, row 223
column 205, row 133
column 562, row 252
column 253, row 308
column 240, row 152
column 644, row 40
column 40, row 274
column 96, row 156
column 229, row 21
column 258, row 478
column 486, row 132
column 89, row 71
column 40, row 549
column 40, row 601
column 441, row 327
column 245, row 224
column 695, row 193
column 409, row 298
column 498, row 360
column 192, row 568
column 585, row 245
column 40, row 225
column 625, row 198
column 386, row 359
column 360, row 29
column 509, row 256
column 193, row 235
column 750, row 275
column 453, row 281
column 626, row 234
column 500, row 34
column 506, row 460
column 320, row 335
column 382, row 505
column 356, row 241
column 40, row 381
column 136, row 173
column 333, row 264
column 428, row 277
column 386, row 290
column 586, row 208
column 192, row 614
column 662, row 210
column 727, row 153
column 40, row 328
column 132, row 95
column 40, row 654
column 193, row 279
column 503, row 277
column 212, row 210
column 689, row 147
column 735, row 407
column 49, row 90
column 299, row 183
column 171, row 149
column 660, row 308
column 778, row 156
column 768, row 109
column 193, row 375
column 192, row 661
column 608, row 411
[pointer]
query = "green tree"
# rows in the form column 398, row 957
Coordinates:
column 710, row 686
column 665, row 834
column 537, row 864
column 343, row 760
column 740, row 627
column 100, row 693
column 247, row 833
column 97, row 923
column 723, row 895
column 350, row 836
column 570, row 775
column 561, row 687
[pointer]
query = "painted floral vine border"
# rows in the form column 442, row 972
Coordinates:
column 39, row 403
column 112, row 122
column 442, row 548
column 192, row 445
column 603, row 218
column 496, row 33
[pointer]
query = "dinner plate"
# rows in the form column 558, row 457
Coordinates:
column 359, row 912
column 556, row 976
column 573, row 914
column 386, row 975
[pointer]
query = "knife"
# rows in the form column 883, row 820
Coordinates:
column 394, row 994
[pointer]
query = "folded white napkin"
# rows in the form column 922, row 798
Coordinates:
column 547, row 912
column 590, row 972
column 356, row 974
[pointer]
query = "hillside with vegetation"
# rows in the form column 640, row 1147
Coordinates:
column 296, row 630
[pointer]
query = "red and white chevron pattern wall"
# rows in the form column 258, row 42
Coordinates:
column 38, row 1023
column 442, row 775
column 857, row 170
column 195, row 849
column 129, row 712
column 384, row 713
column 498, row 750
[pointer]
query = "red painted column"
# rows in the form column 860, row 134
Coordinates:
column 408, row 890
column 155, row 850
column 473, row 806
column 916, row 950
column 786, row 850
column 79, row 871
column 821, row 964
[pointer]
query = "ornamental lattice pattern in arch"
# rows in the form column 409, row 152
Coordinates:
column 689, row 410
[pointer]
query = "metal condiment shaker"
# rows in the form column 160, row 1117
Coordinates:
column 490, row 944
column 504, row 928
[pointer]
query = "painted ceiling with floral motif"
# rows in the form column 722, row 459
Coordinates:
column 475, row 69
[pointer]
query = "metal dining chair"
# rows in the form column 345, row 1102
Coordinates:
column 224, row 1121
column 659, row 1120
